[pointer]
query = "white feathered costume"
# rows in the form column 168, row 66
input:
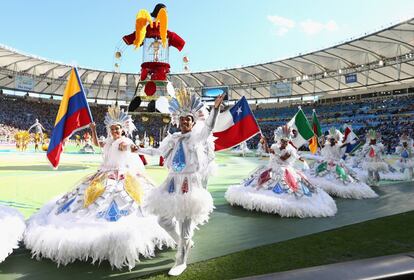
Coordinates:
column 406, row 161
column 11, row 230
column 279, row 188
column 103, row 217
column 332, row 175
column 371, row 160
column 182, row 202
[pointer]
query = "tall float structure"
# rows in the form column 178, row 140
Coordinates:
column 152, row 35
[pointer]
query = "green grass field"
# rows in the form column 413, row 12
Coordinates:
column 384, row 236
column 27, row 182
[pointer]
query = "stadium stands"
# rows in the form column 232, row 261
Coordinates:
column 391, row 115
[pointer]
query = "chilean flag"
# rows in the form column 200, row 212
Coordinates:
column 235, row 126
column 351, row 140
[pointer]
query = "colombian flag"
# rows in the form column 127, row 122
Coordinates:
column 73, row 114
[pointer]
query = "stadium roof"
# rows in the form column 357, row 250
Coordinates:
column 385, row 57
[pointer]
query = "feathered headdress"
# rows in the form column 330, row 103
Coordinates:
column 283, row 133
column 117, row 116
column 334, row 134
column 372, row 134
column 406, row 139
column 186, row 104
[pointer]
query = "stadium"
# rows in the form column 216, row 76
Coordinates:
column 366, row 83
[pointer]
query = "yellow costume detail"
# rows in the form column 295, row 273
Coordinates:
column 183, row 97
column 95, row 190
column 22, row 138
column 133, row 188
column 141, row 22
column 143, row 18
column 162, row 21
column 37, row 138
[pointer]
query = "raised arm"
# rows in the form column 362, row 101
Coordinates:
column 30, row 128
column 343, row 145
column 265, row 145
column 95, row 141
column 212, row 118
column 285, row 156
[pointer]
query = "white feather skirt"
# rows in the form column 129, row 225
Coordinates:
column 113, row 228
column 257, row 193
column 388, row 176
column 170, row 201
column 335, row 187
column 320, row 204
column 404, row 163
column 375, row 166
column 12, row 227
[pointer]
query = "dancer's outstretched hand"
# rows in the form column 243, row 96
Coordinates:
column 134, row 148
column 219, row 100
column 123, row 146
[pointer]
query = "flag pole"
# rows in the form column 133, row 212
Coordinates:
column 317, row 137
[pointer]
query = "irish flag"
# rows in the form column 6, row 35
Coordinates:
column 304, row 133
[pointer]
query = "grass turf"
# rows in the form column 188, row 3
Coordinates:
column 384, row 236
column 27, row 182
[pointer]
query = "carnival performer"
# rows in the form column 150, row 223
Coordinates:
column 22, row 139
column 87, row 148
column 260, row 152
column 146, row 141
column 332, row 174
column 103, row 217
column 38, row 128
column 372, row 160
column 182, row 202
column 12, row 228
column 242, row 149
column 140, row 144
column 77, row 140
column 279, row 188
column 406, row 152
column 37, row 139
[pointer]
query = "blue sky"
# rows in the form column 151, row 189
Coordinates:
column 218, row 34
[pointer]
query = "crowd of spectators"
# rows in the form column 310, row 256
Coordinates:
column 6, row 133
column 19, row 113
column 391, row 116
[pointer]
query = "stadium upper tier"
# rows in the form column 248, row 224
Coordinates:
column 385, row 57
